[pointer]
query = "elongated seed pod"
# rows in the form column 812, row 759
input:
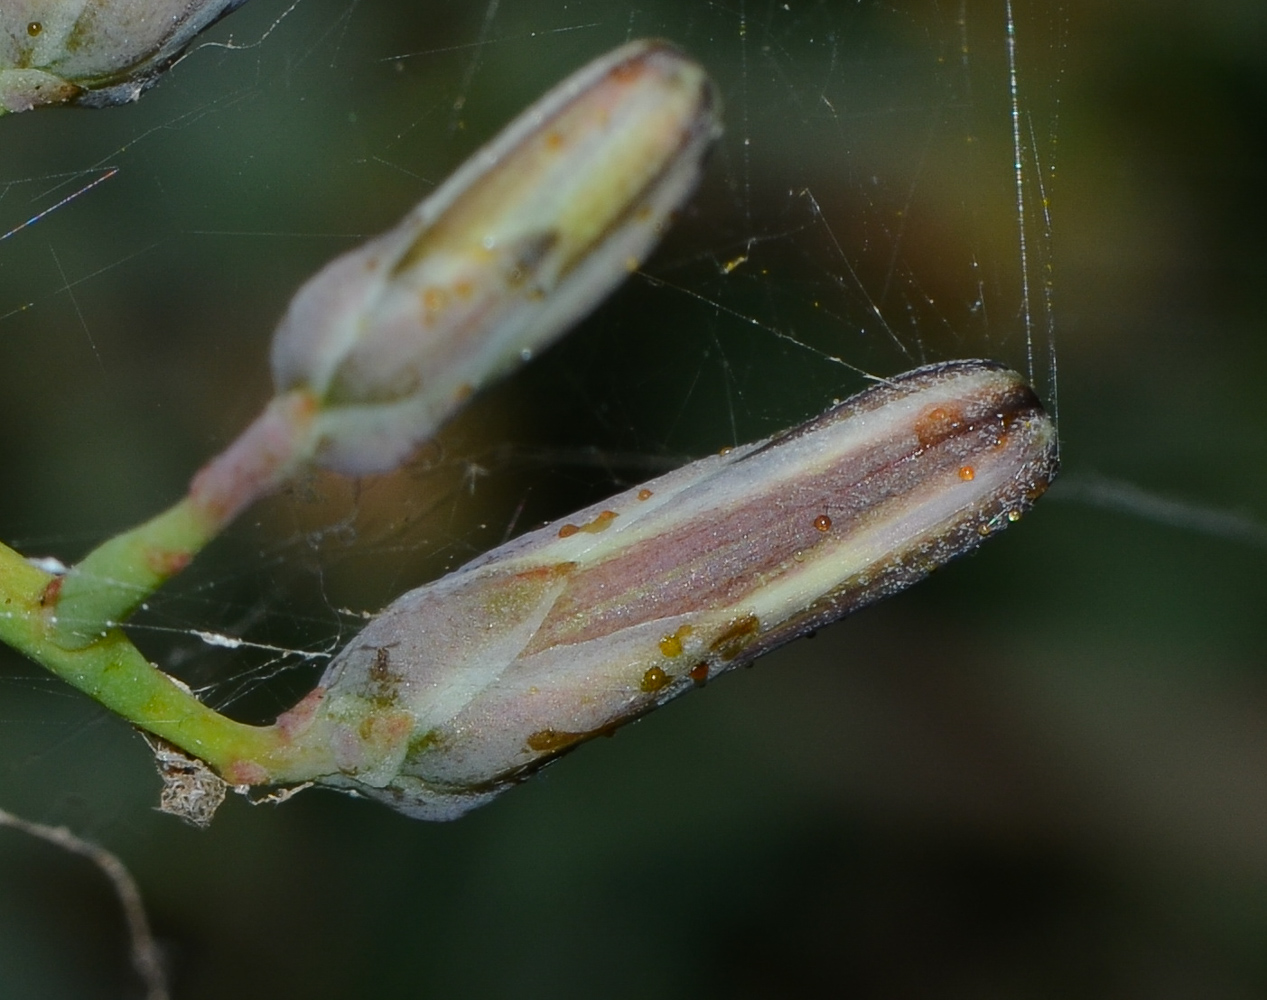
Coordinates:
column 461, row 688
column 94, row 52
column 518, row 244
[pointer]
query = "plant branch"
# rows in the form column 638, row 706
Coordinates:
column 105, row 587
column 112, row 671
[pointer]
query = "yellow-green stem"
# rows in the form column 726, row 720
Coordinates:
column 112, row 671
column 110, row 582
column 118, row 575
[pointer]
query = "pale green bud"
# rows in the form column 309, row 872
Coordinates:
column 387, row 341
column 93, row 52
column 523, row 240
column 463, row 687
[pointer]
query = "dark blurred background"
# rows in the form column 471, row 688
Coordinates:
column 1040, row 774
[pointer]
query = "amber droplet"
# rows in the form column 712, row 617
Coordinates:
column 549, row 740
column 967, row 473
column 822, row 523
column 699, row 673
column 654, row 679
column 671, row 645
column 35, row 28
column 1013, row 516
column 737, row 635
column 938, row 424
column 645, row 494
column 601, row 523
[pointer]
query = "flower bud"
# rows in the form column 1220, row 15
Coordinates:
column 94, row 52
column 522, row 241
column 463, row 687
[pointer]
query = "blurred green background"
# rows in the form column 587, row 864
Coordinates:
column 1040, row 774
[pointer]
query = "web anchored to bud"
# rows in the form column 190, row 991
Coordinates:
column 461, row 688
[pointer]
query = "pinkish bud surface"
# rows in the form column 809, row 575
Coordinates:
column 93, row 52
column 522, row 241
column 463, row 687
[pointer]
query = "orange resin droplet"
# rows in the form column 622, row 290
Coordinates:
column 654, row 679
column 736, row 636
column 35, row 28
column 601, row 523
column 822, row 523
column 967, row 473
column 550, row 740
column 937, row 425
column 671, row 645
column 645, row 494
column 699, row 672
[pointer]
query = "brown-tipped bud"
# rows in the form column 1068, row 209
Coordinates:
column 522, row 241
column 93, row 52
column 462, row 687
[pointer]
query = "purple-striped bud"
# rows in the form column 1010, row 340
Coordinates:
column 461, row 688
column 94, row 52
column 522, row 241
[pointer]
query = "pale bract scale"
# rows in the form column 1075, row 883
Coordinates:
column 518, row 244
column 463, row 687
column 94, row 52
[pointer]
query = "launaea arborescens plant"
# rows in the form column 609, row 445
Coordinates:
column 94, row 52
column 463, row 687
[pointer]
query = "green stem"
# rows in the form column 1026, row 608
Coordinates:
column 118, row 575
column 113, row 672
column 113, row 579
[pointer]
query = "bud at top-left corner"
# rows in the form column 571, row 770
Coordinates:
column 93, row 52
